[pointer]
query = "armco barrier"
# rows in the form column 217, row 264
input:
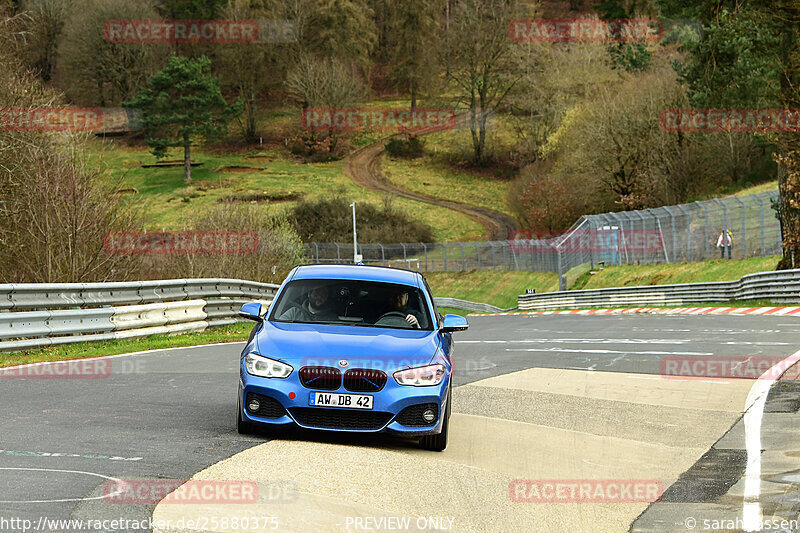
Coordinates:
column 34, row 315
column 781, row 286
column 474, row 307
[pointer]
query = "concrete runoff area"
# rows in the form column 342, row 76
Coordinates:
column 488, row 450
column 536, row 397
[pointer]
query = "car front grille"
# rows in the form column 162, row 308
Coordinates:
column 320, row 377
column 364, row 380
column 267, row 407
column 412, row 416
column 322, row 417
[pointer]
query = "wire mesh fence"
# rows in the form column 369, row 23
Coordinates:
column 735, row 227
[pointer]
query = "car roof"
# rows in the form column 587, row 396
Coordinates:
column 358, row 272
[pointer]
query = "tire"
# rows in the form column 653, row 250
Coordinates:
column 437, row 443
column 243, row 427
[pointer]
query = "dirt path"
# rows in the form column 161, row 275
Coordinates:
column 364, row 167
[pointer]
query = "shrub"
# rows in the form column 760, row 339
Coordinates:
column 411, row 148
column 278, row 248
column 331, row 220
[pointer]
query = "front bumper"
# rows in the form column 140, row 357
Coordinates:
column 388, row 403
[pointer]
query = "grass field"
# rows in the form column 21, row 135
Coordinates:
column 496, row 287
column 501, row 288
column 169, row 203
column 716, row 270
column 426, row 175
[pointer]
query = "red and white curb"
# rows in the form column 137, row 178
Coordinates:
column 778, row 311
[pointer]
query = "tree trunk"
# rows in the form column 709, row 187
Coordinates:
column 789, row 216
column 250, row 128
column 187, row 159
column 413, row 95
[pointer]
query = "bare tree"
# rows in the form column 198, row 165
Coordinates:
column 46, row 22
column 325, row 83
column 93, row 70
column 55, row 208
column 251, row 69
column 58, row 212
column 479, row 55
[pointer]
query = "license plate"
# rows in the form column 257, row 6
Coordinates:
column 334, row 399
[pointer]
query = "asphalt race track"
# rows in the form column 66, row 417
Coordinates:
column 536, row 398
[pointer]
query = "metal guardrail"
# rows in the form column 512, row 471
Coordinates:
column 34, row 315
column 781, row 286
column 474, row 307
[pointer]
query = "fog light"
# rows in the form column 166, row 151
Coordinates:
column 428, row 415
column 253, row 405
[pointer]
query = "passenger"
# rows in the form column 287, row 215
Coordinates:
column 316, row 308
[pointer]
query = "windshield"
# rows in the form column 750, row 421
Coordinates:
column 353, row 302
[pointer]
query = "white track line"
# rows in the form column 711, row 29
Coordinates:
column 113, row 479
column 754, row 413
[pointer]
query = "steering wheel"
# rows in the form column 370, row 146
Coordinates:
column 394, row 319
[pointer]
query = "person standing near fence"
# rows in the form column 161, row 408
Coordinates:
column 725, row 240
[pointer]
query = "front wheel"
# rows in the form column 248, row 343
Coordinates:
column 437, row 443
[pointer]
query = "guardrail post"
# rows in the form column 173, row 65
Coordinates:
column 405, row 258
column 338, row 254
column 562, row 281
column 505, row 256
column 425, row 247
column 383, row 255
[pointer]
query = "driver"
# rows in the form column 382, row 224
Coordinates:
column 315, row 308
column 398, row 301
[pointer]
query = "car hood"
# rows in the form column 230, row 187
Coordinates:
column 362, row 347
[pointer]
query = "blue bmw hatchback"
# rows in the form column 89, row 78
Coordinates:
column 350, row 348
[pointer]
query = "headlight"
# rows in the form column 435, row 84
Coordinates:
column 264, row 367
column 421, row 376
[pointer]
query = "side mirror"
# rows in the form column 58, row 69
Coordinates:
column 454, row 323
column 252, row 311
